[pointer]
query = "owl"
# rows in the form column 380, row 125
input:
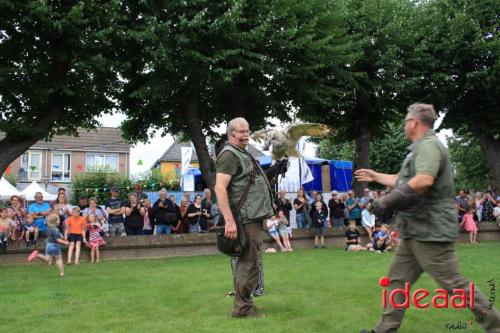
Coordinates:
column 282, row 143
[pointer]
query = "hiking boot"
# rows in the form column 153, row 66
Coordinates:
column 251, row 315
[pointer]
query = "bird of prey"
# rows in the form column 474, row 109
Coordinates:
column 282, row 143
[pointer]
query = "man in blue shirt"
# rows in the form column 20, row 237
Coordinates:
column 40, row 210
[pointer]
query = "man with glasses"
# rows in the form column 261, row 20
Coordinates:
column 336, row 207
column 40, row 210
column 236, row 170
column 423, row 199
column 366, row 199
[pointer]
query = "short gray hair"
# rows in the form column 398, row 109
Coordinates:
column 231, row 125
column 425, row 113
column 163, row 190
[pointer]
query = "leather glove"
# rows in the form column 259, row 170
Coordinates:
column 402, row 197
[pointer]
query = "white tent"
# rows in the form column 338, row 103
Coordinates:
column 29, row 192
column 7, row 190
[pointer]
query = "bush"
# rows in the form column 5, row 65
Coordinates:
column 152, row 180
column 11, row 179
column 97, row 183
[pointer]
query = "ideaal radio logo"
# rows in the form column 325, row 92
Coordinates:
column 440, row 300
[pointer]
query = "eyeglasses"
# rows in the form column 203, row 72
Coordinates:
column 242, row 131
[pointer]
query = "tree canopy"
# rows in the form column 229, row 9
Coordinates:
column 57, row 69
column 460, row 51
column 196, row 64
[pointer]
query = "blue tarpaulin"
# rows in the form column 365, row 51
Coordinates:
column 315, row 166
column 340, row 175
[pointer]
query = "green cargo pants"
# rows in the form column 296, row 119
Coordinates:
column 247, row 272
column 438, row 259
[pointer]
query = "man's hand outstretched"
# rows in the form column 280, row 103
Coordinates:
column 365, row 175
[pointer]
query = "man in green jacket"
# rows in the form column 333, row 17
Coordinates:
column 426, row 219
column 236, row 170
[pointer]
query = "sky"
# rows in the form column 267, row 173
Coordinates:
column 150, row 152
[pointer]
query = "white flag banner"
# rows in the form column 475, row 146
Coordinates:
column 291, row 182
column 307, row 175
column 187, row 153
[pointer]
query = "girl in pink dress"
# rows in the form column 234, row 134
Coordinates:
column 470, row 225
column 95, row 238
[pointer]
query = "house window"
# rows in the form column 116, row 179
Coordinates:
column 61, row 167
column 31, row 165
column 109, row 162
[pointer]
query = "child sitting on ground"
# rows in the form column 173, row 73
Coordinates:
column 53, row 245
column 379, row 239
column 352, row 238
column 388, row 237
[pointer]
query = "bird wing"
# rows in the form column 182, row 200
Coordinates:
column 297, row 131
column 260, row 135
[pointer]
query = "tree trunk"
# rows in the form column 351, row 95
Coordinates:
column 362, row 156
column 491, row 150
column 11, row 149
column 237, row 100
column 196, row 131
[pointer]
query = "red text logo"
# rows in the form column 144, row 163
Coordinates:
column 418, row 298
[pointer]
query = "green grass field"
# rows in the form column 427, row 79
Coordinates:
column 314, row 290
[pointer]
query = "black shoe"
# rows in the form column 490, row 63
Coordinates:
column 230, row 294
column 34, row 243
column 366, row 331
column 27, row 245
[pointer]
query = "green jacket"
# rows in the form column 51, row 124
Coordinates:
column 434, row 217
column 258, row 204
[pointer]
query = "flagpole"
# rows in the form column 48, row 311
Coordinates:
column 300, row 173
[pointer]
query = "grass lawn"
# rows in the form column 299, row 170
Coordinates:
column 314, row 290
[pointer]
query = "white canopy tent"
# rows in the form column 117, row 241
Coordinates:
column 7, row 189
column 29, row 192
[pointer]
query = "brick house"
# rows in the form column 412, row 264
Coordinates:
column 56, row 162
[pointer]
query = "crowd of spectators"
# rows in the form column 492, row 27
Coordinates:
column 139, row 216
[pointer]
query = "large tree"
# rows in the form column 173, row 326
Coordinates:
column 195, row 64
column 56, row 69
column 469, row 164
column 460, row 52
column 387, row 150
column 377, row 88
